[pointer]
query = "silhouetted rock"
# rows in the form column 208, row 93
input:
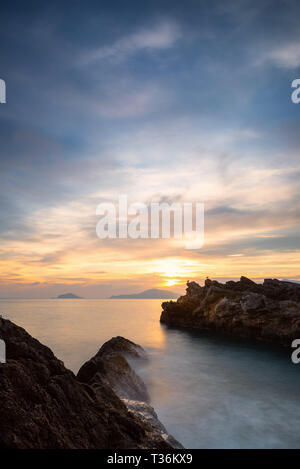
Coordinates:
column 268, row 311
column 110, row 366
column 124, row 346
column 44, row 405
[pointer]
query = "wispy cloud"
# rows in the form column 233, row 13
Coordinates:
column 126, row 101
column 284, row 56
column 172, row 109
column 161, row 36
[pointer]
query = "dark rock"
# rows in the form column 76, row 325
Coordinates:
column 110, row 366
column 193, row 289
column 268, row 311
column 124, row 346
column 44, row 405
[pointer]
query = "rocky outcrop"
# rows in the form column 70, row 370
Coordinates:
column 269, row 311
column 44, row 405
column 110, row 366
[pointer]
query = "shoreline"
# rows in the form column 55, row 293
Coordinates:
column 268, row 312
column 46, row 406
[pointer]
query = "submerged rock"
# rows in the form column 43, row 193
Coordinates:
column 44, row 405
column 268, row 311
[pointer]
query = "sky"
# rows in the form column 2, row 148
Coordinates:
column 159, row 100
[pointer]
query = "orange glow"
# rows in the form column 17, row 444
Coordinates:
column 63, row 254
column 170, row 282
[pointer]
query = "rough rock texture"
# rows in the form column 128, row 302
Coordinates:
column 269, row 311
column 123, row 346
column 109, row 365
column 44, row 405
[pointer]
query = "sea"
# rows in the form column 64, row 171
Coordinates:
column 208, row 391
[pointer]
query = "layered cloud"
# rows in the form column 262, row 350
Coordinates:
column 170, row 106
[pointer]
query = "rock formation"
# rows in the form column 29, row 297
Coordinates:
column 110, row 366
column 44, row 405
column 269, row 311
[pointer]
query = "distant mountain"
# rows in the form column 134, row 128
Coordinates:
column 153, row 293
column 68, row 296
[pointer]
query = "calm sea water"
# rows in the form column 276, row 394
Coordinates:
column 208, row 392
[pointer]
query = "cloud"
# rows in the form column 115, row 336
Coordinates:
column 285, row 56
column 162, row 36
column 191, row 120
column 130, row 102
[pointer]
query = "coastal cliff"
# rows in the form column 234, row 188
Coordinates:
column 269, row 311
column 44, row 405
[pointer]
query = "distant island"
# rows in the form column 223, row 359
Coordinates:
column 68, row 296
column 153, row 293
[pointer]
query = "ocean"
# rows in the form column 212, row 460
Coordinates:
column 208, row 391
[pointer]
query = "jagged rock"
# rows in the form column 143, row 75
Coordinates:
column 109, row 365
column 124, row 346
column 268, row 311
column 44, row 405
column 193, row 289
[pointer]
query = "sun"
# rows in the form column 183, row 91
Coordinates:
column 170, row 282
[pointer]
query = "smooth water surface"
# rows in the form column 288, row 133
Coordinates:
column 209, row 392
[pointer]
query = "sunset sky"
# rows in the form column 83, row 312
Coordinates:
column 160, row 100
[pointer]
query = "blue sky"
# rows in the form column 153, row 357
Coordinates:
column 180, row 100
